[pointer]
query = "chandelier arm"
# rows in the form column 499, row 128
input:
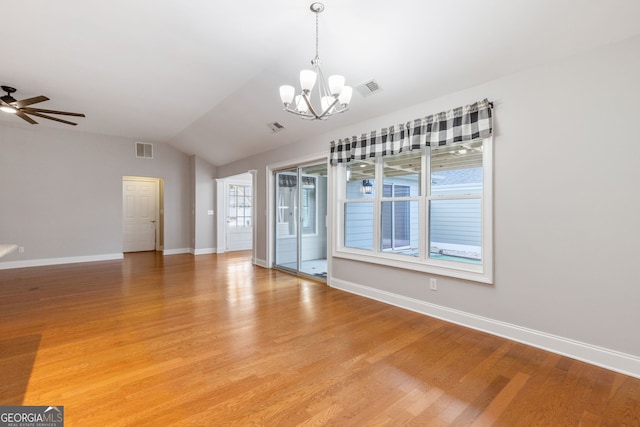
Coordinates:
column 305, row 116
column 305, row 96
column 323, row 90
column 326, row 112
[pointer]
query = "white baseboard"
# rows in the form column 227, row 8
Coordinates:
column 204, row 251
column 176, row 251
column 56, row 261
column 606, row 358
column 260, row 262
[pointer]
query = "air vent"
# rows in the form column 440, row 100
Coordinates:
column 275, row 127
column 368, row 88
column 144, row 150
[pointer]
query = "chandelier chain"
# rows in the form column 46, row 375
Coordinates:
column 317, row 57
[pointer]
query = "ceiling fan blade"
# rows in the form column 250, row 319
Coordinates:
column 23, row 116
column 42, row 110
column 29, row 101
column 52, row 118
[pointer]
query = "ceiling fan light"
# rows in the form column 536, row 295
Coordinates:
column 286, row 94
column 307, row 79
column 8, row 109
column 336, row 83
column 345, row 95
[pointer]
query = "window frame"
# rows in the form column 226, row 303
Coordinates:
column 482, row 272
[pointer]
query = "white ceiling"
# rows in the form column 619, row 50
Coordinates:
column 203, row 75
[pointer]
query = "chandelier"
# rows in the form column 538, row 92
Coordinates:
column 333, row 95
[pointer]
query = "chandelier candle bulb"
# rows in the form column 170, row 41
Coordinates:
column 286, row 94
column 345, row 95
column 301, row 104
column 336, row 84
column 307, row 80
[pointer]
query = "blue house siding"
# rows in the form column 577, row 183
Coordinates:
column 358, row 225
column 456, row 224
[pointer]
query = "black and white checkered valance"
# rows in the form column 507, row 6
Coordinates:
column 461, row 124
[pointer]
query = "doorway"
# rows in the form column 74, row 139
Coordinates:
column 142, row 214
column 235, row 229
column 300, row 220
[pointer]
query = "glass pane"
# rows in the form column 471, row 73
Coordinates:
column 308, row 205
column 400, row 227
column 286, row 209
column 358, row 225
column 313, row 211
column 404, row 169
column 456, row 230
column 239, row 214
column 457, row 169
column 361, row 181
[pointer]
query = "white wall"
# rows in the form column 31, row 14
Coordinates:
column 566, row 211
column 61, row 193
column 204, row 232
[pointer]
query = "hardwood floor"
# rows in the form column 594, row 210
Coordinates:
column 212, row 340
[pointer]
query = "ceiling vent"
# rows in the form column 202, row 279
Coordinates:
column 369, row 88
column 144, row 150
column 275, row 127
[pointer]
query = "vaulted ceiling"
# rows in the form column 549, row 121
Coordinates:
column 203, row 75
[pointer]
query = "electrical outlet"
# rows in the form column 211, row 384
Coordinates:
column 21, row 249
column 433, row 284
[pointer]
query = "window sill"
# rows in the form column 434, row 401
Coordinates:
column 459, row 270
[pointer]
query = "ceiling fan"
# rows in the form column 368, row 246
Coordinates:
column 22, row 108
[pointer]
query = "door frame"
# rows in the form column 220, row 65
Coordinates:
column 270, row 181
column 159, row 224
column 221, row 209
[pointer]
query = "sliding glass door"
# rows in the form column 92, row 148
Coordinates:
column 286, row 232
column 300, row 220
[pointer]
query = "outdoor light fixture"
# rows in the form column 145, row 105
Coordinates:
column 367, row 186
column 334, row 96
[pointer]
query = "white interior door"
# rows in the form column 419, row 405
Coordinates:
column 140, row 214
column 239, row 220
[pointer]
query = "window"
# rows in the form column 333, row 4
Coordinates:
column 429, row 209
column 239, row 206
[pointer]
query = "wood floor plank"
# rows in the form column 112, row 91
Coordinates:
column 497, row 405
column 214, row 340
